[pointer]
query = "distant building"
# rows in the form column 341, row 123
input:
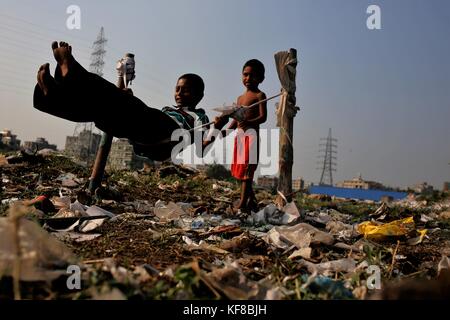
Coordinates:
column 359, row 183
column 446, row 186
column 357, row 193
column 298, row 184
column 122, row 156
column 267, row 182
column 422, row 187
column 39, row 144
column 82, row 148
column 9, row 140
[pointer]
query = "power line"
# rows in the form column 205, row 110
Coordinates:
column 9, row 86
column 25, row 49
column 148, row 83
column 30, row 47
column 45, row 27
column 9, row 75
column 36, row 36
column 25, row 90
column 155, row 80
column 9, row 69
column 33, row 68
column 21, row 46
column 10, row 90
column 71, row 35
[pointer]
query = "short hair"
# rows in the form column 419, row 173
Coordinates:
column 196, row 81
column 257, row 65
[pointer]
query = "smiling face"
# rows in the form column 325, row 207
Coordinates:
column 185, row 94
column 250, row 78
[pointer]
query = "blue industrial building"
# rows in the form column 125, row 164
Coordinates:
column 360, row 194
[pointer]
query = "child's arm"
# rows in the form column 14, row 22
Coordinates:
column 262, row 114
column 219, row 123
column 206, row 143
column 232, row 126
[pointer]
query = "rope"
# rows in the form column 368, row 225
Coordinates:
column 287, row 135
column 250, row 106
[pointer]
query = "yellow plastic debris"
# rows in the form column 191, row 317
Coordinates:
column 419, row 238
column 376, row 231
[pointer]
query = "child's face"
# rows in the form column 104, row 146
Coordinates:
column 250, row 78
column 185, row 96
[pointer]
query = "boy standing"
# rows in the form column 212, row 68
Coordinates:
column 246, row 143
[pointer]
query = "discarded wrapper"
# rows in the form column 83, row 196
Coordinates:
column 377, row 231
column 42, row 257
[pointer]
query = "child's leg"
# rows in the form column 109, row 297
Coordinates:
column 78, row 95
column 245, row 193
column 252, row 202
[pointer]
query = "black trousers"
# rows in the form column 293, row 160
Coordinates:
column 82, row 96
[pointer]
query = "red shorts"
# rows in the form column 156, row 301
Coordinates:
column 245, row 156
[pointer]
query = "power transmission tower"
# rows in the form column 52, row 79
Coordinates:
column 328, row 159
column 98, row 54
column 88, row 147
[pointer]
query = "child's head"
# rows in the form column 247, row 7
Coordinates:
column 253, row 73
column 189, row 90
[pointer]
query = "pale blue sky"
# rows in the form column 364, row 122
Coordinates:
column 385, row 93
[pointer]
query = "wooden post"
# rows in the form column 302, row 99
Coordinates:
column 286, row 111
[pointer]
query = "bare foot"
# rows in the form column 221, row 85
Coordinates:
column 63, row 55
column 252, row 206
column 240, row 209
column 44, row 78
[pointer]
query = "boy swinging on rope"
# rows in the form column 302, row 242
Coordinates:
column 77, row 95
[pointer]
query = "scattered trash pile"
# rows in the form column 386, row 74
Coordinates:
column 170, row 233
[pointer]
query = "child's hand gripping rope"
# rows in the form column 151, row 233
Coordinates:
column 234, row 111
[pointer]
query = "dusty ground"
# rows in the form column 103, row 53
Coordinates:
column 138, row 256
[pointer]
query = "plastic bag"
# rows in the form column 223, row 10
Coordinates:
column 397, row 228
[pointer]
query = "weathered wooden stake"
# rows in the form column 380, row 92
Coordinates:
column 286, row 110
